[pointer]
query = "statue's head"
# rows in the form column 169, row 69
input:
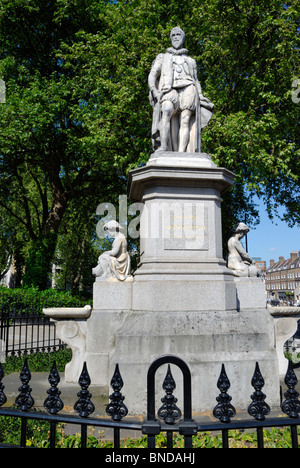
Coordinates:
column 112, row 227
column 177, row 37
column 241, row 229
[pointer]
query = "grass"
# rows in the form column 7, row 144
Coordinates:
column 276, row 438
column 38, row 436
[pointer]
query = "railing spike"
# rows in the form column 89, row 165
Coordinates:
column 3, row 398
column 169, row 412
column 291, row 405
column 224, row 409
column 84, row 407
column 53, row 404
column 259, row 409
column 24, row 400
column 116, row 408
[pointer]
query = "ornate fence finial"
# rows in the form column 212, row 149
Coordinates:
column 258, row 408
column 224, row 410
column 3, row 398
column 291, row 406
column 169, row 412
column 84, row 407
column 24, row 400
column 53, row 404
column 116, row 408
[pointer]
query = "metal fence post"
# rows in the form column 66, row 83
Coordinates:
column 152, row 426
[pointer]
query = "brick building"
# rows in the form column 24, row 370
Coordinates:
column 283, row 279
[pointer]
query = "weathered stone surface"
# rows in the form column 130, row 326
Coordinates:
column 183, row 299
column 204, row 341
column 181, row 232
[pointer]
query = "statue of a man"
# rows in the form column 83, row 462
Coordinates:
column 180, row 110
column 239, row 261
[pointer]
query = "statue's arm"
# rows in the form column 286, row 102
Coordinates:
column 154, row 75
column 243, row 252
column 116, row 245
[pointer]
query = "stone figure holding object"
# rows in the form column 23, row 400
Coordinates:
column 180, row 110
column 239, row 261
column 114, row 263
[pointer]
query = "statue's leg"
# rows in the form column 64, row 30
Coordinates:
column 175, row 131
column 103, row 269
column 105, row 265
column 167, row 109
column 97, row 271
column 184, row 133
column 253, row 271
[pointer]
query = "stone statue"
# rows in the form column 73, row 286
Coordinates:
column 180, row 110
column 114, row 263
column 239, row 261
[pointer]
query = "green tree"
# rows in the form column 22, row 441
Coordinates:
column 76, row 250
column 44, row 164
column 248, row 57
column 77, row 116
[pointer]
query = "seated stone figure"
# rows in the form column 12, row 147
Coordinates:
column 239, row 261
column 114, row 263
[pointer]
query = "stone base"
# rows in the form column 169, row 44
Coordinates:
column 102, row 327
column 205, row 323
column 180, row 160
column 112, row 296
column 250, row 293
column 183, row 300
column 204, row 341
column 112, row 302
column 189, row 292
column 183, row 295
column 180, row 222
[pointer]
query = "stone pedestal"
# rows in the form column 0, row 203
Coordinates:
column 181, row 263
column 112, row 302
column 204, row 341
column 180, row 227
column 182, row 300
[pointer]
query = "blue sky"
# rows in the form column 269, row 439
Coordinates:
column 271, row 239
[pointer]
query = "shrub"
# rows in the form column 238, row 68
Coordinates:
column 38, row 362
column 34, row 300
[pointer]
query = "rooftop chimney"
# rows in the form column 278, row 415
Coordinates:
column 294, row 255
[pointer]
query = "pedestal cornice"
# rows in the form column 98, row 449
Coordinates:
column 168, row 175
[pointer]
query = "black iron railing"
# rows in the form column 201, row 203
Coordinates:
column 24, row 331
column 167, row 419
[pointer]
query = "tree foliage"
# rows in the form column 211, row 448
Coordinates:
column 77, row 116
column 248, row 57
column 44, row 165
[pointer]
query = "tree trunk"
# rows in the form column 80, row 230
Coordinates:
column 59, row 203
column 40, row 258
